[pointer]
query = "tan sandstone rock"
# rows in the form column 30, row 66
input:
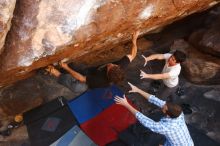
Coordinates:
column 6, row 14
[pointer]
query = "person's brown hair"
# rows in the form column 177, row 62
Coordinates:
column 173, row 110
column 116, row 74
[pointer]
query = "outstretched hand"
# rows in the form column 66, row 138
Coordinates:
column 134, row 89
column 143, row 75
column 121, row 100
column 145, row 60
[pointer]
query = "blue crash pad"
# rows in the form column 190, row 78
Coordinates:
column 93, row 102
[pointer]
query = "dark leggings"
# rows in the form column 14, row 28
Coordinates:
column 70, row 82
column 166, row 92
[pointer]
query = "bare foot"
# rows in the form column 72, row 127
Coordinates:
column 53, row 71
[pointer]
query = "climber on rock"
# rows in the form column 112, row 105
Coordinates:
column 103, row 76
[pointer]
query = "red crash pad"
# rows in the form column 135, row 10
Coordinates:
column 105, row 127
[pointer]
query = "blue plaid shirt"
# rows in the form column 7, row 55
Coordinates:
column 175, row 130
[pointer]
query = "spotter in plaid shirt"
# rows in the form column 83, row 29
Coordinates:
column 173, row 126
column 174, row 129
